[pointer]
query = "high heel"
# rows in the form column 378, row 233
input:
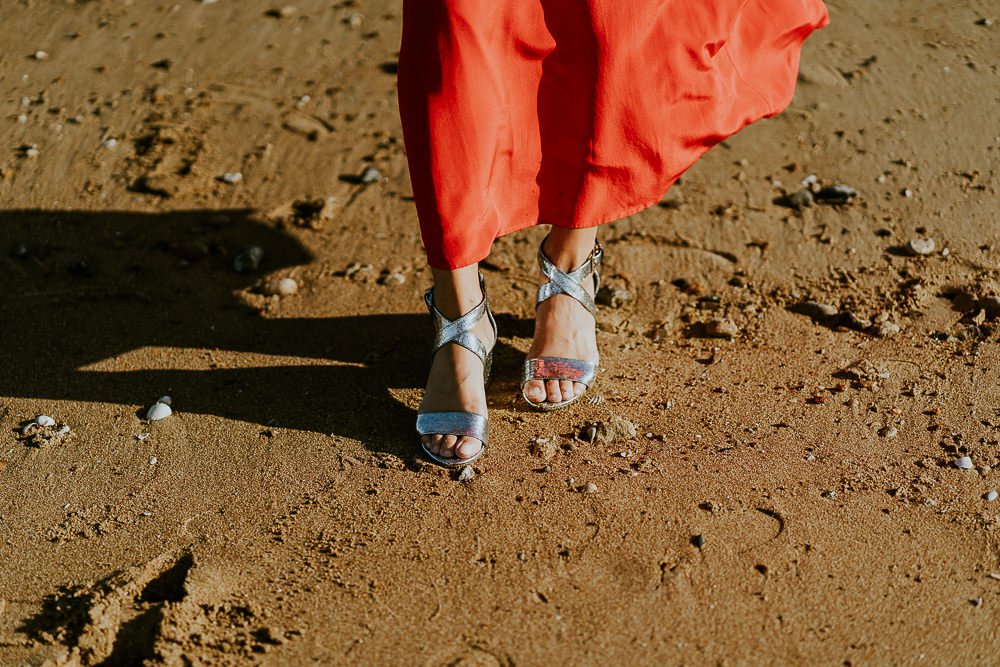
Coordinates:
column 459, row 331
column 570, row 284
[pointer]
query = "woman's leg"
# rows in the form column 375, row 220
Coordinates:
column 563, row 327
column 455, row 383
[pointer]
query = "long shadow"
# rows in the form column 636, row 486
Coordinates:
column 77, row 288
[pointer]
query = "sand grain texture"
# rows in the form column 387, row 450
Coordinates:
column 789, row 495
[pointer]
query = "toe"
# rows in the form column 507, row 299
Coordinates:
column 579, row 388
column 535, row 391
column 566, row 388
column 435, row 445
column 447, row 446
column 467, row 447
column 552, row 388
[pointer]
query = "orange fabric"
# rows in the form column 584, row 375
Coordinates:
column 577, row 112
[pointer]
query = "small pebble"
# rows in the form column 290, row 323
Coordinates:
column 31, row 151
column 920, row 246
column 819, row 311
column 615, row 429
column 280, row 287
column 798, row 200
column 467, row 474
column 393, row 278
column 885, row 329
column 248, row 259
column 963, row 462
column 232, row 177
column 152, row 460
column 158, row 411
column 370, row 175
column 40, row 55
column 63, row 430
column 142, row 437
column 589, row 487
column 612, row 297
column 720, row 328
column 698, row 540
column 45, row 420
column 838, row 194
column 109, row 143
column 829, row 494
column 991, row 496
column 888, row 432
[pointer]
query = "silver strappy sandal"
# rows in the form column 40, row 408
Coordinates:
column 459, row 331
column 571, row 284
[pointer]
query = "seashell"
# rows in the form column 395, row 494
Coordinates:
column 45, row 420
column 920, row 246
column 158, row 411
column 963, row 462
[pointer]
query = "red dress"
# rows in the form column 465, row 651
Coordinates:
column 577, row 112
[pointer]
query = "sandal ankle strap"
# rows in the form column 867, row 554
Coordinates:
column 571, row 283
column 459, row 330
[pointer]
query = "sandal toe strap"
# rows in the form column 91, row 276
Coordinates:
column 454, row 423
column 559, row 368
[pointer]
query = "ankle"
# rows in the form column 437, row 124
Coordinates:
column 458, row 291
column 569, row 248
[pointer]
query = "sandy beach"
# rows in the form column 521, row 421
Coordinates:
column 791, row 455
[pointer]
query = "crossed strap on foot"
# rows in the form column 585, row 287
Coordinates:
column 570, row 284
column 459, row 331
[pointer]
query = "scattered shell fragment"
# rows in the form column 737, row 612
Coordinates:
column 166, row 399
column 152, row 461
column 248, row 259
column 158, row 411
column 991, row 496
column 920, row 246
column 109, row 143
column 370, row 175
column 45, row 420
column 589, row 487
column 40, row 55
column 888, row 431
column 963, row 462
column 232, row 177
column 467, row 474
column 698, row 540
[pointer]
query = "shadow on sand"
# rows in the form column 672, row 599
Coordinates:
column 84, row 288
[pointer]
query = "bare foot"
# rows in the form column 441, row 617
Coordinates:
column 563, row 327
column 455, row 384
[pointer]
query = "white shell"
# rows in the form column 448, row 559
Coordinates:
column 963, row 462
column 45, row 420
column 991, row 496
column 158, row 411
